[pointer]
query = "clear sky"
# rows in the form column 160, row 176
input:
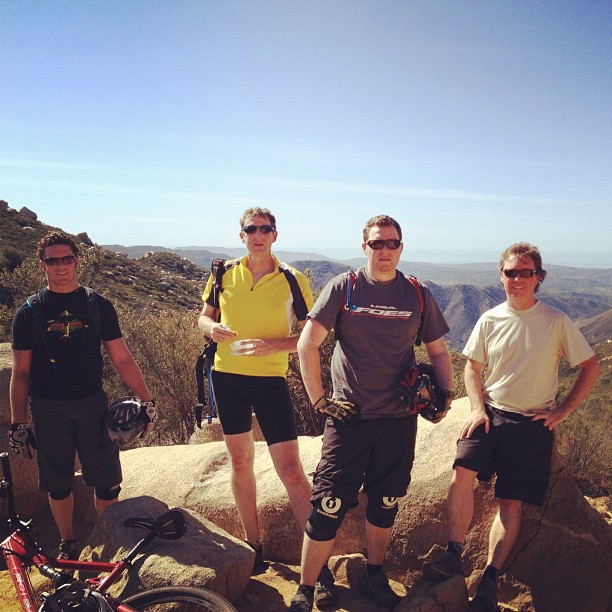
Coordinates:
column 475, row 123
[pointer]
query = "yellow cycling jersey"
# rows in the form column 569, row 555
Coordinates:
column 261, row 311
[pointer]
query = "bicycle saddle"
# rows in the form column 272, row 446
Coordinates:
column 168, row 526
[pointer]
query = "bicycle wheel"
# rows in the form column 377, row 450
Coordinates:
column 179, row 599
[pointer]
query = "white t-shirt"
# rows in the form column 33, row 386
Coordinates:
column 521, row 350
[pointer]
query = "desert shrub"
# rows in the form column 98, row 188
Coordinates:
column 165, row 345
column 583, row 437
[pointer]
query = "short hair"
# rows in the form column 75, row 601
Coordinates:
column 524, row 249
column 257, row 211
column 54, row 238
column 382, row 221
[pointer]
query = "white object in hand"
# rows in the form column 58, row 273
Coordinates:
column 242, row 347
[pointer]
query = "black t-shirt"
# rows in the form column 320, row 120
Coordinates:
column 72, row 342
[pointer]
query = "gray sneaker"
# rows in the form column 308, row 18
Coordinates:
column 377, row 588
column 485, row 599
column 448, row 566
column 325, row 590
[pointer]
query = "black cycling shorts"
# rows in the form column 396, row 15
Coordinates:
column 375, row 453
column 237, row 396
column 517, row 449
column 62, row 427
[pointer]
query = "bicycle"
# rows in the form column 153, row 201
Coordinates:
column 20, row 552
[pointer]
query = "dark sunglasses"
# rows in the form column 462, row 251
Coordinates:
column 521, row 273
column 379, row 244
column 59, row 261
column 264, row 229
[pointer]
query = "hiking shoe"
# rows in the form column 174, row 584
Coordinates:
column 376, row 587
column 485, row 599
column 448, row 566
column 67, row 550
column 259, row 565
column 301, row 602
column 325, row 591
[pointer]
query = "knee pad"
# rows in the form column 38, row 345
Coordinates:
column 381, row 511
column 59, row 495
column 325, row 518
column 108, row 493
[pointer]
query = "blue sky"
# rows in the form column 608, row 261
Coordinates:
column 475, row 123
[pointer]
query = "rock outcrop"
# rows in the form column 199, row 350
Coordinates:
column 566, row 534
column 205, row 557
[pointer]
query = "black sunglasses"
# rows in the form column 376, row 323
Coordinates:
column 265, row 229
column 59, row 261
column 522, row 273
column 392, row 244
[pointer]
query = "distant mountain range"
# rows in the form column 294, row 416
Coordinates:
column 158, row 277
column 463, row 291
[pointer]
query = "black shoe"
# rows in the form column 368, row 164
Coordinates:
column 325, row 591
column 259, row 565
column 377, row 588
column 448, row 566
column 485, row 599
column 301, row 602
column 67, row 551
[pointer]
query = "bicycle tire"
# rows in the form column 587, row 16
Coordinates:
column 179, row 599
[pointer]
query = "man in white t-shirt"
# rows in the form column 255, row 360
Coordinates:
column 513, row 412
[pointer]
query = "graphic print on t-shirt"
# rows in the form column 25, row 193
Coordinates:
column 65, row 324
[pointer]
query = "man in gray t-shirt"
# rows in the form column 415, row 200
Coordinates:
column 376, row 321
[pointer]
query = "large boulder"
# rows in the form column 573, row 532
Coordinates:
column 565, row 531
column 205, row 557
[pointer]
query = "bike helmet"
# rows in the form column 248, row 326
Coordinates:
column 76, row 596
column 126, row 420
column 419, row 390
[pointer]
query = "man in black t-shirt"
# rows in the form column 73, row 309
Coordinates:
column 57, row 365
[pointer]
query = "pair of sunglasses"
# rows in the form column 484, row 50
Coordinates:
column 521, row 273
column 59, row 261
column 379, row 244
column 264, row 229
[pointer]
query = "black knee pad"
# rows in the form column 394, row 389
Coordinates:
column 108, row 493
column 59, row 495
column 325, row 518
column 381, row 511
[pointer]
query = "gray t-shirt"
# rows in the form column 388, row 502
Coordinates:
column 377, row 338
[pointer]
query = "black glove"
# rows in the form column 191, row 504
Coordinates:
column 148, row 411
column 436, row 410
column 339, row 410
column 21, row 439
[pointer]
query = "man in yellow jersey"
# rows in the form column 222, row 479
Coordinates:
column 252, row 329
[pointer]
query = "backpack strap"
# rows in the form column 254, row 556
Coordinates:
column 299, row 303
column 94, row 310
column 351, row 279
column 34, row 303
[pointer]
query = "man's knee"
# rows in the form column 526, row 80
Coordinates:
column 325, row 518
column 109, row 493
column 60, row 494
column 381, row 511
column 463, row 476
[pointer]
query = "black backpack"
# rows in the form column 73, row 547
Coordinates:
column 205, row 359
column 38, row 333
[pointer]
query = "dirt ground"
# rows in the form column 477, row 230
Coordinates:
column 271, row 591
